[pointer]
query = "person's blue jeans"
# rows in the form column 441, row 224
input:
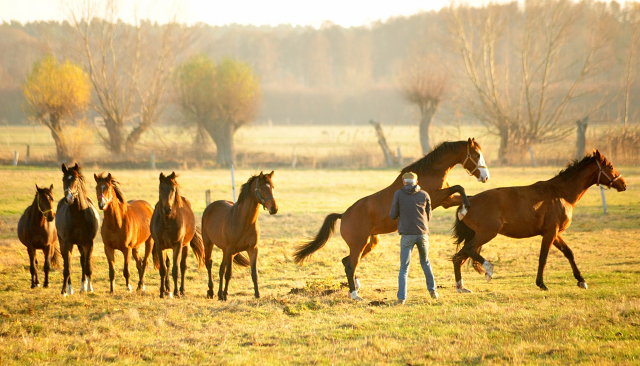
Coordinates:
column 406, row 247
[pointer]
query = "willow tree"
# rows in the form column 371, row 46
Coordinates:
column 55, row 93
column 220, row 98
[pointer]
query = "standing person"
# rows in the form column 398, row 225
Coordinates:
column 413, row 208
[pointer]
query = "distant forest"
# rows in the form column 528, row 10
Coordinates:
column 336, row 75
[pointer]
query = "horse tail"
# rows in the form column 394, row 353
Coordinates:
column 157, row 255
column 197, row 245
column 56, row 258
column 323, row 236
column 463, row 233
column 241, row 260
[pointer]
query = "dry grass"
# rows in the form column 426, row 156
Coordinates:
column 507, row 321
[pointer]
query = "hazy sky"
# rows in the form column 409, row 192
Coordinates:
column 271, row 12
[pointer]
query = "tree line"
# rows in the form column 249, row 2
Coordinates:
column 527, row 72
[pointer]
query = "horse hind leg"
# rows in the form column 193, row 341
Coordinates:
column 140, row 267
column 65, row 249
column 350, row 265
column 125, row 269
column 371, row 244
column 253, row 256
column 225, row 274
column 49, row 252
column 87, row 268
column 458, row 260
column 177, row 250
column 32, row 267
column 547, row 240
column 208, row 247
column 183, row 268
column 564, row 248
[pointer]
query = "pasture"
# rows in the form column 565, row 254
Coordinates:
column 304, row 316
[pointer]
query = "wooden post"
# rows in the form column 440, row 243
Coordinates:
column 604, row 201
column 207, row 197
column 153, row 159
column 532, row 158
column 26, row 159
column 383, row 144
column 294, row 159
column 15, row 158
column 582, row 139
column 233, row 184
column 399, row 156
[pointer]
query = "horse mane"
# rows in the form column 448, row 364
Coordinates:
column 245, row 190
column 424, row 165
column 118, row 189
column 575, row 166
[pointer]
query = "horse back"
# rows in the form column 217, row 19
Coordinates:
column 216, row 221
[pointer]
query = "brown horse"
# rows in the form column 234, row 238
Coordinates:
column 173, row 226
column 36, row 230
column 77, row 223
column 369, row 217
column 543, row 208
column 234, row 228
column 125, row 227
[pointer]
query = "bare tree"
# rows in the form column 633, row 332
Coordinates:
column 523, row 69
column 633, row 24
column 129, row 66
column 423, row 82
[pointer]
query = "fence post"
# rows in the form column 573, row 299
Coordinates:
column 207, row 197
column 399, row 156
column 26, row 159
column 233, row 184
column 153, row 159
column 532, row 158
column 294, row 159
column 15, row 158
column 604, row 202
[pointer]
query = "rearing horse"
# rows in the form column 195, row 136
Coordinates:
column 77, row 222
column 173, row 226
column 125, row 227
column 234, row 228
column 369, row 217
column 543, row 208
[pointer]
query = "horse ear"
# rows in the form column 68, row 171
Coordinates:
column 37, row 188
column 261, row 174
column 271, row 174
column 64, row 168
column 51, row 188
column 597, row 154
column 161, row 176
column 172, row 175
column 95, row 176
column 76, row 166
column 470, row 141
column 109, row 177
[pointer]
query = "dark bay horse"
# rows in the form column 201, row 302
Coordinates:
column 125, row 227
column 368, row 217
column 173, row 226
column 234, row 228
column 77, row 222
column 543, row 208
column 36, row 230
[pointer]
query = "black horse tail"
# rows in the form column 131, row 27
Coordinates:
column 463, row 233
column 56, row 258
column 240, row 260
column 157, row 255
column 197, row 245
column 323, row 236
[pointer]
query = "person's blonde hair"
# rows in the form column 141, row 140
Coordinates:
column 410, row 175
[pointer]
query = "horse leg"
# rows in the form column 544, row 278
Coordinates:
column 177, row 249
column 32, row 266
column 138, row 260
column 84, row 275
column 208, row 247
column 253, row 257
column 547, row 239
column 350, row 264
column 458, row 260
column 183, row 268
column 167, row 280
column 227, row 275
column 111, row 258
column 163, row 273
column 142, row 269
column 65, row 250
column 125, row 269
column 371, row 243
column 564, row 248
column 223, row 269
column 470, row 249
column 88, row 267
column 49, row 252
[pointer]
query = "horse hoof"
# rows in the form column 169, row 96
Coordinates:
column 463, row 290
column 582, row 285
column 354, row 296
column 46, row 285
column 141, row 288
column 488, row 270
column 210, row 294
column 488, row 277
column 69, row 290
column 543, row 288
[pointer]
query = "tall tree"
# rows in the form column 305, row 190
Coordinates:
column 55, row 93
column 633, row 29
column 522, row 69
column 129, row 66
column 423, row 82
column 218, row 97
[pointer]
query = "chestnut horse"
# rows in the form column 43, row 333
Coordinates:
column 36, row 230
column 234, row 228
column 77, row 222
column 369, row 217
column 543, row 208
column 173, row 226
column 125, row 227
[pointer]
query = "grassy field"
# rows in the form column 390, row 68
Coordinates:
column 506, row 321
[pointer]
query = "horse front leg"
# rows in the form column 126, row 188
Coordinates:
column 564, row 248
column 163, row 272
column 142, row 264
column 208, row 247
column 32, row 267
column 445, row 197
column 87, row 267
column 125, row 269
column 253, row 257
column 49, row 252
column 177, row 250
column 65, row 248
column 183, row 268
column 224, row 268
column 547, row 239
column 458, row 260
column 110, row 254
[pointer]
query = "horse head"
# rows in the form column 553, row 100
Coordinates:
column 607, row 174
column 44, row 201
column 474, row 163
column 264, row 192
column 169, row 193
column 105, row 190
column 72, row 182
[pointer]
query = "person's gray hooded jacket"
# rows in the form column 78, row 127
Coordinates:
column 413, row 206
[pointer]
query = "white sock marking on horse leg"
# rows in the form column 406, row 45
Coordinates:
column 89, row 286
column 582, row 285
column 460, row 288
column 354, row 296
column 488, row 269
column 357, row 283
column 461, row 212
column 129, row 288
column 69, row 290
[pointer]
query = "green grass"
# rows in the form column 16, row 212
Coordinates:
column 506, row 321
